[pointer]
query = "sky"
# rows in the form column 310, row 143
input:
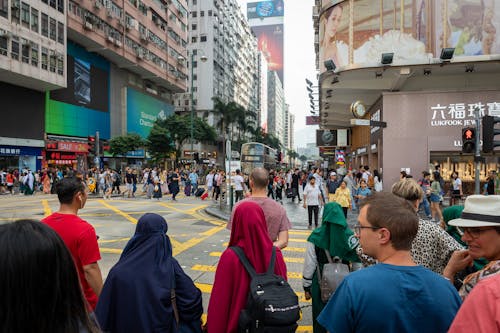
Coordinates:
column 299, row 62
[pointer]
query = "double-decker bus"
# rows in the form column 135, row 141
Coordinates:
column 256, row 154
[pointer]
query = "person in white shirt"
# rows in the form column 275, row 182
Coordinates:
column 239, row 184
column 312, row 199
column 210, row 182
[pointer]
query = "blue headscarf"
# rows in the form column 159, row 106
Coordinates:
column 136, row 295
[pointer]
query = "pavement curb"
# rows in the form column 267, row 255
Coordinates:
column 216, row 212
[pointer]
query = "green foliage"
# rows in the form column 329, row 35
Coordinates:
column 120, row 145
column 303, row 158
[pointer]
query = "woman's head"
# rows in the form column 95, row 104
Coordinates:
column 408, row 188
column 362, row 183
column 454, row 175
column 39, row 282
column 333, row 16
column 343, row 184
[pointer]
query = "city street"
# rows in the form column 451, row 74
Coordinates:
column 198, row 239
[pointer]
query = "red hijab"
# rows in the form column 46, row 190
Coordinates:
column 230, row 290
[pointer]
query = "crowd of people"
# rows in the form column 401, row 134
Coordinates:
column 407, row 273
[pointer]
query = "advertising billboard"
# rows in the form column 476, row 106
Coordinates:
column 143, row 110
column 270, row 42
column 82, row 107
column 414, row 30
column 263, row 9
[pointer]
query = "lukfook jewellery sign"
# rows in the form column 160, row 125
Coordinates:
column 462, row 114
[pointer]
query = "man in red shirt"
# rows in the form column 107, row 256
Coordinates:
column 78, row 235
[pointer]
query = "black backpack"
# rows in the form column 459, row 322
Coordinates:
column 272, row 305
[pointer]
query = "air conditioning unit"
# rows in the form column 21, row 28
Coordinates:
column 128, row 26
column 97, row 4
column 139, row 54
column 110, row 39
column 118, row 42
column 109, row 13
column 87, row 25
column 143, row 37
column 5, row 34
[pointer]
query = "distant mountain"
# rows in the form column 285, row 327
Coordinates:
column 305, row 135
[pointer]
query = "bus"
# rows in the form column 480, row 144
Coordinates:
column 255, row 155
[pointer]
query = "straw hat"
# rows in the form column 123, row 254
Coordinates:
column 479, row 211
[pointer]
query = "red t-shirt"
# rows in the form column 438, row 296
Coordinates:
column 81, row 240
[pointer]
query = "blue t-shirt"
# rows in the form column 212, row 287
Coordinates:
column 391, row 299
column 364, row 192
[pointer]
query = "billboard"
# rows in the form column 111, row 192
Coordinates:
column 414, row 30
column 143, row 110
column 82, row 107
column 266, row 20
column 270, row 43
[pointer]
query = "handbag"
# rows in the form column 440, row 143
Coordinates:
column 331, row 277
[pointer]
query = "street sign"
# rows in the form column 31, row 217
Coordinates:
column 360, row 122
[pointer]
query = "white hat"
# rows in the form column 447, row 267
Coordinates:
column 479, row 211
column 333, row 173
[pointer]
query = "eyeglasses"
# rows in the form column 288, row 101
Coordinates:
column 357, row 228
column 473, row 232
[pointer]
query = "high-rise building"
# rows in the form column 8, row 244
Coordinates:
column 262, row 82
column 289, row 128
column 223, row 62
column 276, row 106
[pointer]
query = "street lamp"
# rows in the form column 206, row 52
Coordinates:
column 203, row 58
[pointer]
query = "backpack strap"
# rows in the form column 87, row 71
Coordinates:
column 243, row 259
column 328, row 256
column 270, row 269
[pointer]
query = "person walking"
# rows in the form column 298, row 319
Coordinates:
column 78, row 235
column 232, row 282
column 343, row 197
column 436, row 198
column 174, row 183
column 312, row 200
column 396, row 295
column 277, row 220
column 137, row 295
column 239, row 185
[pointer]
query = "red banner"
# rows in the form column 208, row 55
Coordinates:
column 312, row 120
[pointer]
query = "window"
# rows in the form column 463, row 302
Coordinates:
column 193, row 26
column 60, row 65
column 15, row 11
column 52, row 3
column 4, row 8
column 202, row 13
column 203, row 38
column 25, row 15
column 52, row 61
column 3, row 45
column 193, row 14
column 195, row 64
column 194, row 39
column 34, row 19
column 45, row 58
column 52, row 31
column 45, row 25
column 25, row 49
column 210, row 12
column 60, row 33
column 195, row 77
column 60, row 6
column 195, row 2
column 195, row 52
column 34, row 54
column 14, row 53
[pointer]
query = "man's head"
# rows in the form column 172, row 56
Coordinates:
column 366, row 167
column 333, row 175
column 312, row 181
column 238, row 172
column 259, row 178
column 386, row 223
column 72, row 191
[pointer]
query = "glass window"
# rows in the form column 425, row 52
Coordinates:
column 34, row 19
column 3, row 45
column 202, row 13
column 45, row 25
column 52, row 62
column 52, row 3
column 60, row 6
column 195, row 2
column 25, row 14
column 194, row 14
column 60, row 33
column 60, row 65
column 210, row 13
column 4, row 8
column 34, row 54
column 194, row 39
column 52, row 31
column 14, row 53
column 45, row 58
column 15, row 11
column 25, row 49
column 193, row 26
column 203, row 38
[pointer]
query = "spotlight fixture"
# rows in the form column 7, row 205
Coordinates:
column 329, row 91
column 309, row 83
column 335, row 80
column 327, row 107
column 325, row 114
column 427, row 71
column 378, row 74
column 329, row 65
column 469, row 68
column 387, row 58
column 447, row 53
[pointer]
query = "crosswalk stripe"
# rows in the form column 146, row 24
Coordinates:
column 299, row 232
column 297, row 240
column 208, row 268
column 287, row 259
column 110, row 250
column 294, row 249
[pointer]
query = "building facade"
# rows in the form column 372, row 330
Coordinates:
column 416, row 67
column 276, row 106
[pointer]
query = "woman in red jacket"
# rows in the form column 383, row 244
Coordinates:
column 231, row 285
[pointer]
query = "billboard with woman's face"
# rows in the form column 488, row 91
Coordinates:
column 414, row 30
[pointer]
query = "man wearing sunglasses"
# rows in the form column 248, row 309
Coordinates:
column 395, row 295
column 480, row 228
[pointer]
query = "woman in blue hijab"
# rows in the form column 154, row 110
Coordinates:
column 137, row 295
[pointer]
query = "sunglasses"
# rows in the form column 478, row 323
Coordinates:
column 473, row 232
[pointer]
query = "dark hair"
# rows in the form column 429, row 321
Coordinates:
column 67, row 187
column 259, row 177
column 376, row 174
column 386, row 210
column 436, row 175
column 39, row 282
column 426, row 173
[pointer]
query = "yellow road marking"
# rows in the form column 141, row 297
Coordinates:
column 304, row 329
column 208, row 268
column 294, row 249
column 105, row 241
column 297, row 240
column 194, row 241
column 110, row 250
column 299, row 232
column 174, row 242
column 117, row 211
column 287, row 259
column 46, row 208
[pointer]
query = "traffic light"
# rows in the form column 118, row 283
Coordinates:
column 468, row 140
column 91, row 143
column 489, row 133
column 103, row 146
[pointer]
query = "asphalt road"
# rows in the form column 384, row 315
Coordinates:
column 198, row 239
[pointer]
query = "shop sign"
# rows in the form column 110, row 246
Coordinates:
column 361, row 151
column 73, row 147
column 461, row 114
column 10, row 151
column 375, row 117
column 373, row 147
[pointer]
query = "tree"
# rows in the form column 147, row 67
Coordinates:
column 303, row 158
column 120, row 145
column 170, row 134
column 293, row 155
